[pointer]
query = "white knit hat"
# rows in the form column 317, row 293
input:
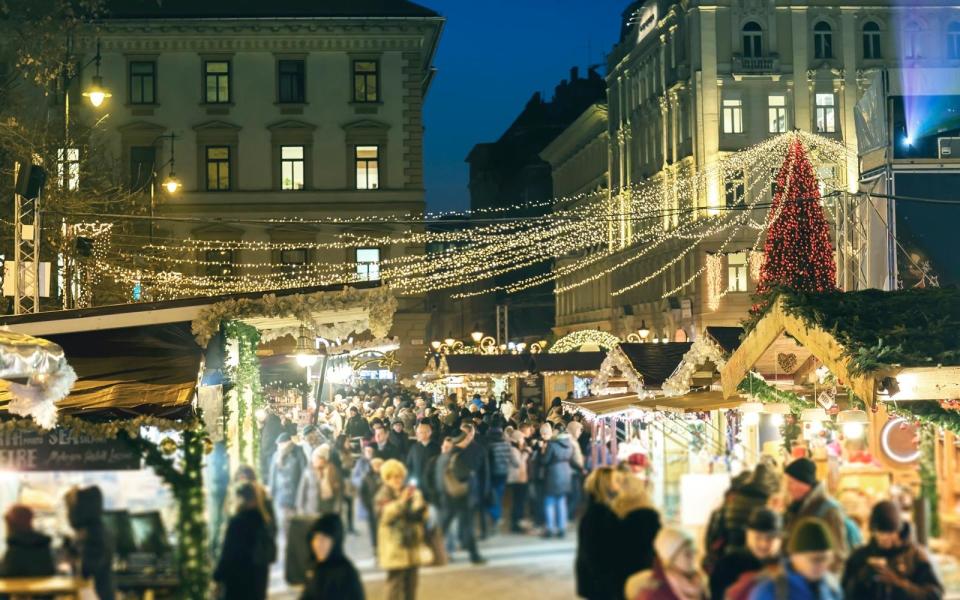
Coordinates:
column 669, row 542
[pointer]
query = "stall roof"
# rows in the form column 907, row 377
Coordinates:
column 129, row 371
column 693, row 401
column 486, row 364
column 655, row 362
column 605, row 405
column 728, row 338
column 570, row 362
column 144, row 313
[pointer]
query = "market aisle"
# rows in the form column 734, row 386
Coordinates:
column 518, row 567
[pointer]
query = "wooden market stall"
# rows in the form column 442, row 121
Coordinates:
column 889, row 361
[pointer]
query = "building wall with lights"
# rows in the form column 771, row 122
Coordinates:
column 690, row 84
column 275, row 114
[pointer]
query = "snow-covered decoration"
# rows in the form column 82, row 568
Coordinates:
column 701, row 351
column 48, row 376
column 38, row 398
column 616, row 362
column 573, row 341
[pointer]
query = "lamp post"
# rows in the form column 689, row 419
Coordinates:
column 171, row 184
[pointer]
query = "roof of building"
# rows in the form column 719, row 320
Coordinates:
column 507, row 364
column 569, row 362
column 257, row 9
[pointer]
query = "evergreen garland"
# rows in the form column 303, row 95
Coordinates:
column 791, row 430
column 245, row 376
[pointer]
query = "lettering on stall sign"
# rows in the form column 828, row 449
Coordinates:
column 63, row 450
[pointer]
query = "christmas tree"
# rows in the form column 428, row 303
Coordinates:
column 798, row 253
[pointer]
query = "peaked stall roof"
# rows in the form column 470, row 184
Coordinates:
column 258, row 9
column 728, row 338
column 655, row 362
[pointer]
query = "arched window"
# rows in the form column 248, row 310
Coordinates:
column 752, row 40
column 911, row 40
column 871, row 41
column 822, row 40
column 953, row 40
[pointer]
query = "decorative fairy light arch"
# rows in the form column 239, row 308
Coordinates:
column 572, row 341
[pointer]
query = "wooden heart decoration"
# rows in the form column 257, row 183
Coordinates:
column 787, row 362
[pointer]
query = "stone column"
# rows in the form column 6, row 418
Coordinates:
column 709, row 108
column 801, row 92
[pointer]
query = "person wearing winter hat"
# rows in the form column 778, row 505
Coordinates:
column 891, row 565
column 321, row 488
column 331, row 575
column 809, row 498
column 736, row 573
column 674, row 575
column 805, row 575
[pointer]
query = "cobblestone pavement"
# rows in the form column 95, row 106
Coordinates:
column 518, row 567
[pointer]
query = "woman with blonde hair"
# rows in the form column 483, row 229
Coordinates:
column 401, row 514
column 596, row 553
column 637, row 529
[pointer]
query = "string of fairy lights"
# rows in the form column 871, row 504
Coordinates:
column 668, row 217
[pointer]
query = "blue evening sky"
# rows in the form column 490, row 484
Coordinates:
column 493, row 55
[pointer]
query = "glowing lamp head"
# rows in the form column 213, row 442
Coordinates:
column 306, row 360
column 435, row 344
column 171, row 184
column 643, row 331
column 96, row 92
column 751, row 419
column 853, row 431
column 306, row 352
column 476, row 336
column 449, row 340
column 854, row 423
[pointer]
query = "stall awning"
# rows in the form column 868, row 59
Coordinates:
column 693, row 401
column 605, row 405
column 569, row 362
column 150, row 369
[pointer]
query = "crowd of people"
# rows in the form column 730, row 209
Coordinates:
column 809, row 550
column 425, row 478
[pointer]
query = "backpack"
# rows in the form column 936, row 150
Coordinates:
column 453, row 485
column 852, row 534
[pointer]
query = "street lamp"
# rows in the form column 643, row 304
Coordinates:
column 97, row 93
column 477, row 335
column 306, row 352
column 643, row 331
column 449, row 341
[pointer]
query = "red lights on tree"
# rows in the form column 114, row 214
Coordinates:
column 798, row 253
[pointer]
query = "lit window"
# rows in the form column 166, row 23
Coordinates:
column 219, row 262
column 291, row 79
column 365, row 81
column 291, row 167
column 752, row 40
column 68, row 168
column 826, row 114
column 871, row 40
column 218, row 168
column 217, row 76
column 822, row 40
column 777, row 110
column 737, row 272
column 143, row 82
column 733, row 115
column 367, row 159
column 368, row 264
column 953, row 40
column 734, row 189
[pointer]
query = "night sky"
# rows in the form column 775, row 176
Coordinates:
column 493, row 56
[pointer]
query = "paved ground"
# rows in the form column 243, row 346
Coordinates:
column 519, row 567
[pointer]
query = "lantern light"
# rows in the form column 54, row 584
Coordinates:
column 306, row 352
column 643, row 331
column 853, row 422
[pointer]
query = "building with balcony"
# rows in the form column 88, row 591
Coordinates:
column 690, row 83
column 285, row 109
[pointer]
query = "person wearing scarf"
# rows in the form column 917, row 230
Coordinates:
column 674, row 575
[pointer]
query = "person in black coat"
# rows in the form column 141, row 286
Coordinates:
column 248, row 549
column 638, row 528
column 332, row 576
column 357, row 426
column 764, row 529
column 94, row 543
column 421, row 453
column 891, row 566
column 595, row 563
column 28, row 551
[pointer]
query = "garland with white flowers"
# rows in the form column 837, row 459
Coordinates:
column 702, row 350
column 379, row 303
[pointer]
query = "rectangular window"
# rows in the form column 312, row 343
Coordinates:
column 368, row 167
column 733, row 115
column 291, row 79
column 218, row 168
column 292, row 259
column 368, row 264
column 218, row 262
column 735, row 189
column 826, row 115
column 142, row 161
column 217, row 76
column 143, row 82
column 291, row 167
column 737, row 272
column 366, row 81
column 777, row 109
column 68, row 168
